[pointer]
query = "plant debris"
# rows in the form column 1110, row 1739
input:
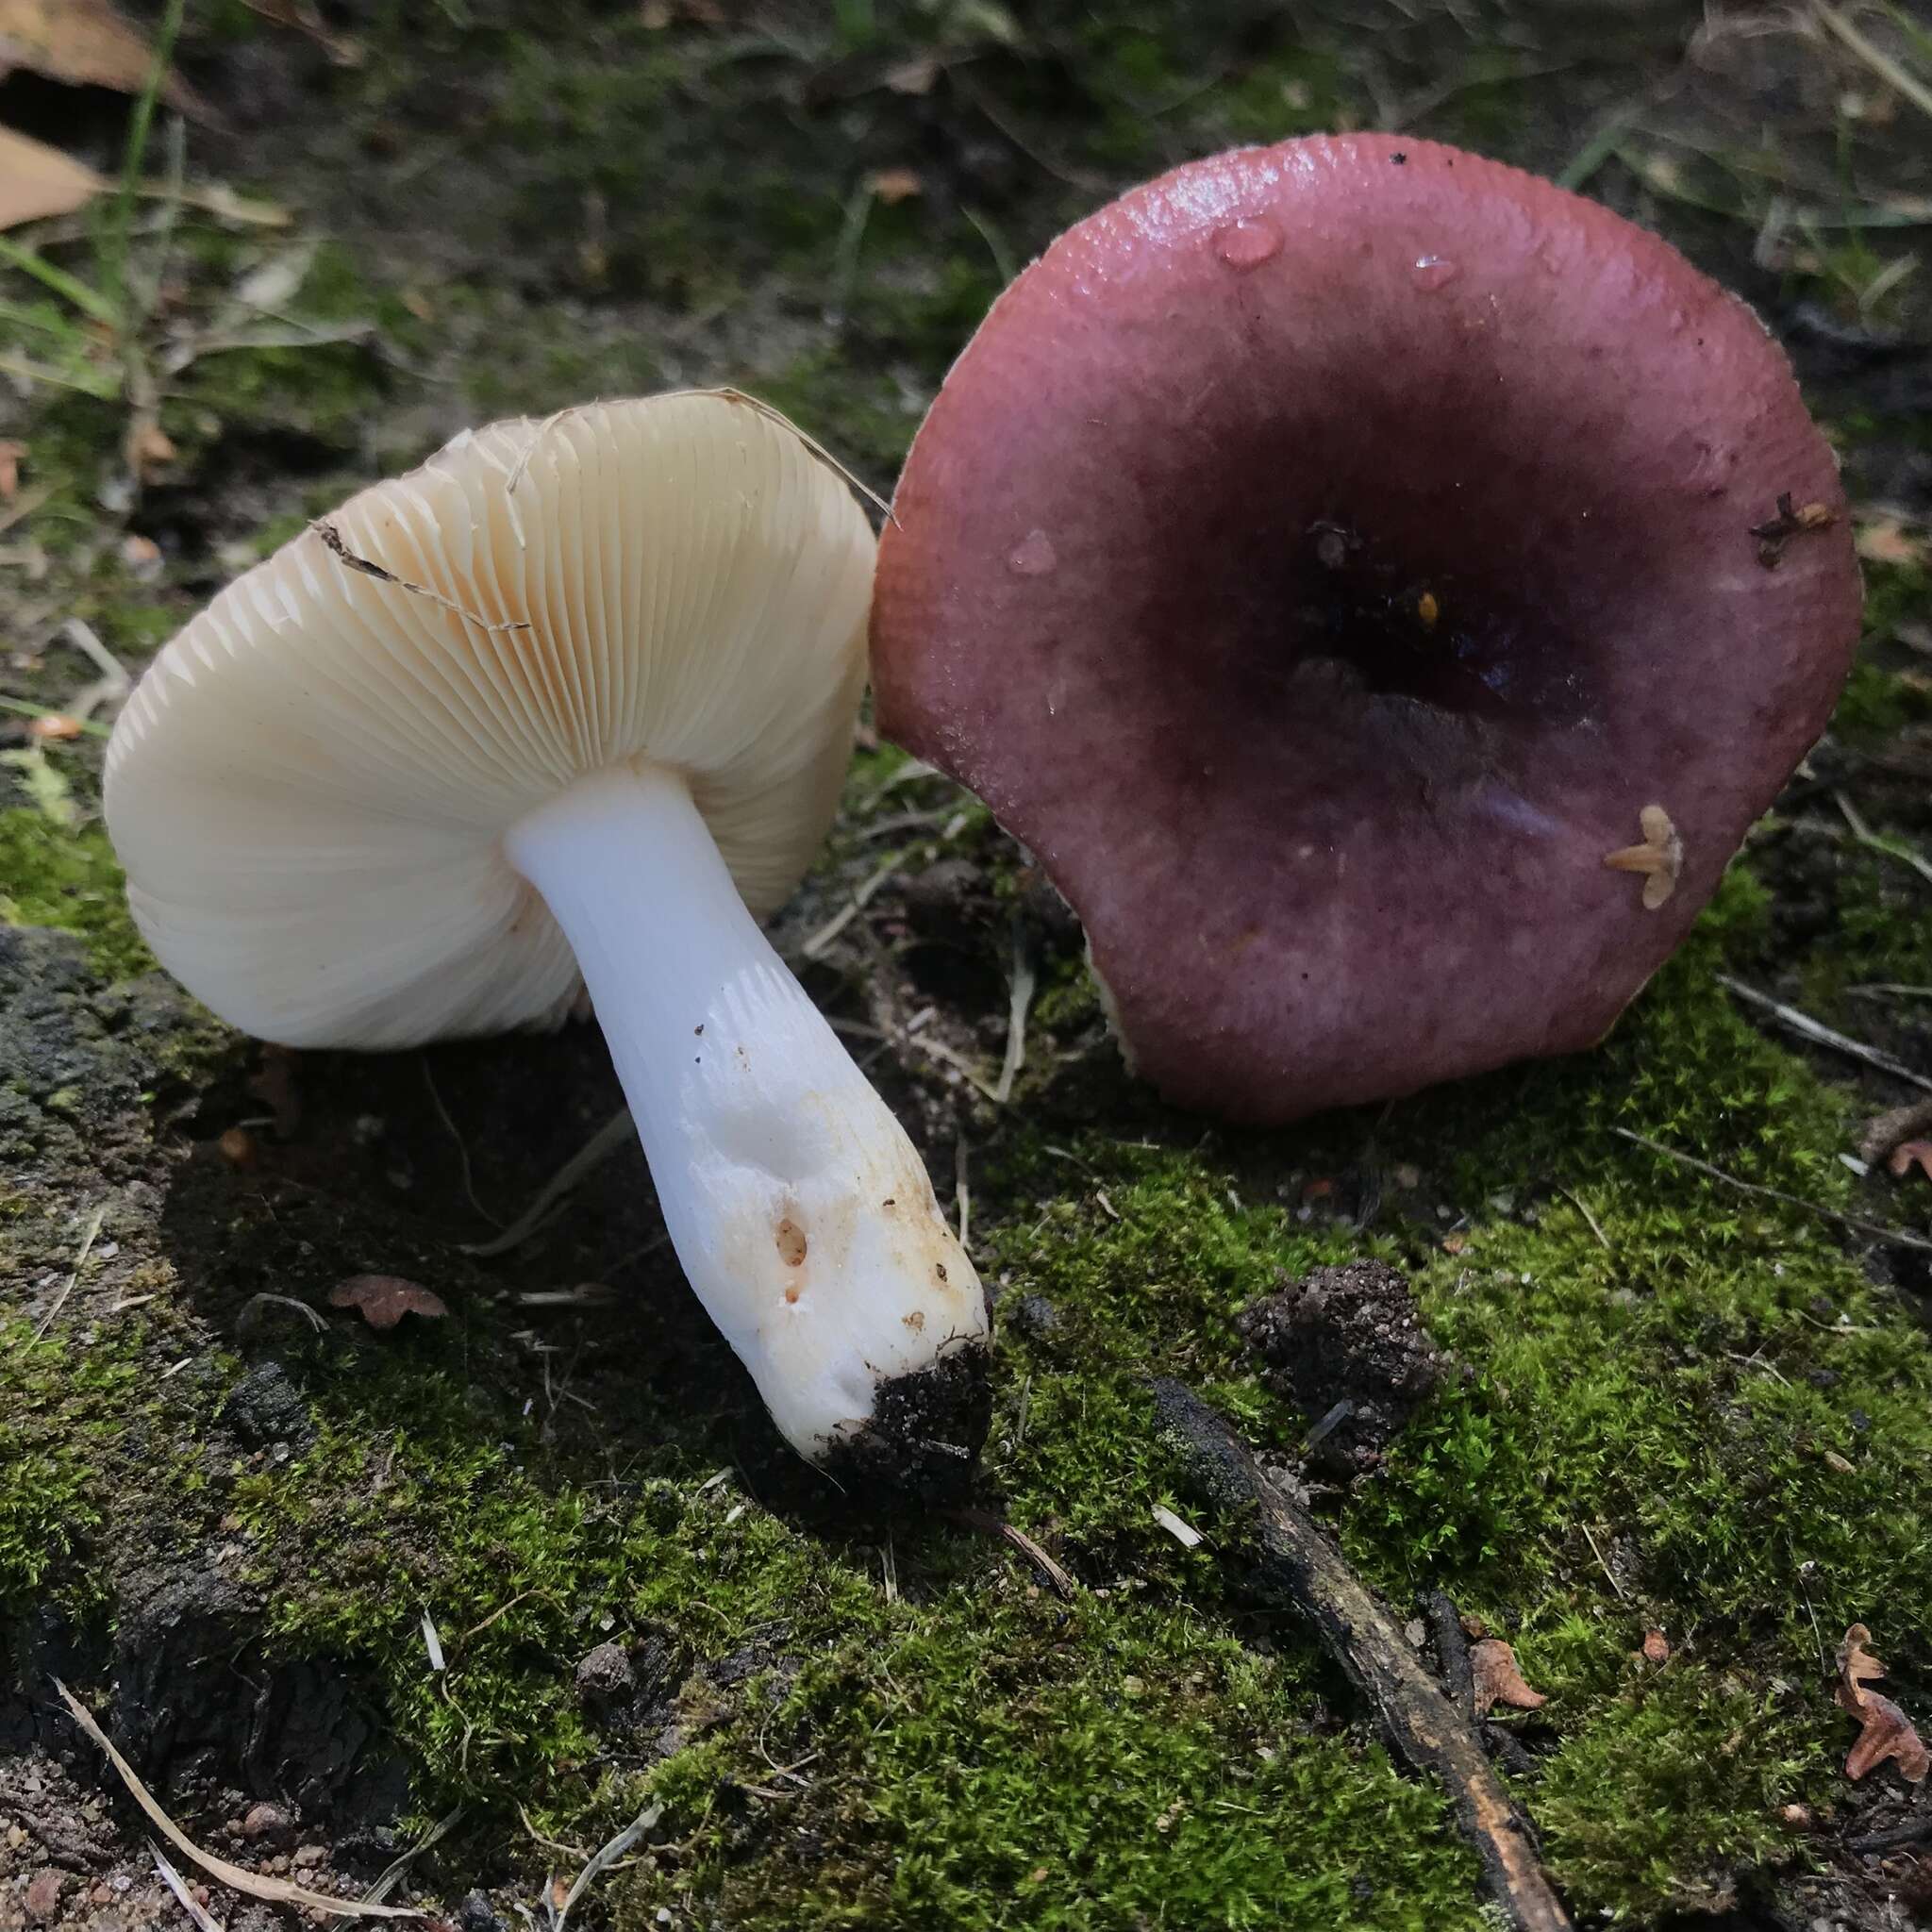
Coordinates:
column 1773, row 534
column 333, row 543
column 255, row 1885
column 1660, row 858
column 1885, row 1730
column 1305, row 1569
column 383, row 1300
column 37, row 181
column 1497, row 1679
column 87, row 44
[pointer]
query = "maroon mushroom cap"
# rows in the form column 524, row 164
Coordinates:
column 1324, row 558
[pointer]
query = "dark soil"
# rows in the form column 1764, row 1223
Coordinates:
column 1347, row 1346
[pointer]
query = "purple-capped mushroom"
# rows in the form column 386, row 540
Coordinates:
column 1381, row 588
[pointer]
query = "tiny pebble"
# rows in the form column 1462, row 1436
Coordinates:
column 43, row 1896
column 262, row 1821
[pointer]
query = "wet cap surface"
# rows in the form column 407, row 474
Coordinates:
column 1320, row 560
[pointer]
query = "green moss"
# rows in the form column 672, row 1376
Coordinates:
column 59, row 1408
column 1103, row 1764
column 56, row 875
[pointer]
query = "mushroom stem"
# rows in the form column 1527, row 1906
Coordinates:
column 802, row 1215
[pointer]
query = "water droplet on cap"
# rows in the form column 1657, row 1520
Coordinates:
column 1033, row 556
column 1432, row 272
column 1248, row 242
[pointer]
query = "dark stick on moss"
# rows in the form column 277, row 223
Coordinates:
column 1452, row 1652
column 1305, row 1570
column 1895, row 1237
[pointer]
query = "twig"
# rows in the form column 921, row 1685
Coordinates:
column 861, row 897
column 1609, row 1572
column 618, row 1131
column 1063, row 1583
column 394, row 1871
column 265, row 1300
column 179, row 1886
column 1452, row 1652
column 1897, row 1237
column 1875, row 58
column 1876, row 841
column 814, row 447
column 1582, row 1206
column 279, row 1890
column 962, row 1190
column 1819, row 1034
column 1305, row 1568
column 455, row 1133
column 113, row 682
column 606, row 1856
column 1018, row 1003
column 332, row 541
column 87, row 1247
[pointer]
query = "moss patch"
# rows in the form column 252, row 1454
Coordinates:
column 58, row 876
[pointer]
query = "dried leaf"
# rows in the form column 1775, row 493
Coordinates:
column 383, row 1300
column 1884, row 540
column 149, row 448
column 1857, row 1667
column 1887, row 1733
column 914, row 77
column 1656, row 1647
column 37, row 181
column 1910, row 1154
column 1492, row 1665
column 87, row 44
column 895, row 185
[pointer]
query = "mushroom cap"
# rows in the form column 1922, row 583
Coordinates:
column 1320, row 558
column 311, row 786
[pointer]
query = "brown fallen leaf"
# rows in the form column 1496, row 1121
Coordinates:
column 37, row 181
column 87, row 44
column 147, row 447
column 1885, row 1731
column 1656, row 1647
column 895, row 185
column 1884, row 539
column 383, row 1300
column 1886, row 1130
column 1492, row 1665
column 1910, row 1154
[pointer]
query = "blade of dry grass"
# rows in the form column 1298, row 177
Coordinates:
column 276, row 1891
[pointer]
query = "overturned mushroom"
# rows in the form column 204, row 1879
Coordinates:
column 1324, row 558
column 560, row 711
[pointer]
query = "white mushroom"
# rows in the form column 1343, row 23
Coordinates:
column 562, row 709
